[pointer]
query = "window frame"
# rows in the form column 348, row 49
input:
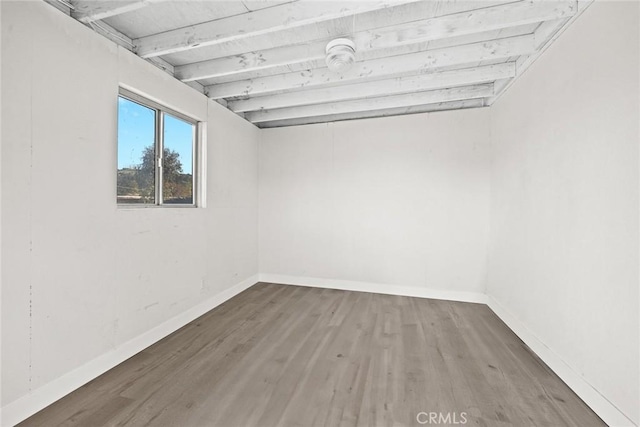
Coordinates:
column 160, row 112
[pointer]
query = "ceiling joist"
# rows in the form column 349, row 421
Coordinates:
column 93, row 11
column 395, row 86
column 416, row 31
column 428, row 108
column 459, row 24
column 414, row 63
column 399, row 13
column 365, row 56
column 370, row 104
column 257, row 23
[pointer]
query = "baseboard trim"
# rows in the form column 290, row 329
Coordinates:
column 24, row 407
column 606, row 410
column 377, row 288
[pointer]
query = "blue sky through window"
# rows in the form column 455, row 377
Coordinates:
column 178, row 136
column 136, row 130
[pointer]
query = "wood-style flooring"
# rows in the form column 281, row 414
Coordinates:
column 278, row 355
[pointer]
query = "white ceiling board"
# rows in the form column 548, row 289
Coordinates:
column 464, row 23
column 326, row 30
column 364, row 56
column 371, row 104
column 320, row 63
column 261, row 23
column 380, row 68
column 86, row 11
column 168, row 15
column 413, row 73
column 442, row 106
column 407, row 38
column 400, row 85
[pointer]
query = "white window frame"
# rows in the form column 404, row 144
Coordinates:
column 197, row 147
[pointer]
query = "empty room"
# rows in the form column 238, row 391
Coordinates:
column 230, row 213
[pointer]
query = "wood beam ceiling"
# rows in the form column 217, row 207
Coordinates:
column 263, row 22
column 395, row 86
column 428, row 108
column 267, row 64
column 414, row 63
column 96, row 10
column 371, row 104
column 417, row 31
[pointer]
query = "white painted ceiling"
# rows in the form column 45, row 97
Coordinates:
column 265, row 59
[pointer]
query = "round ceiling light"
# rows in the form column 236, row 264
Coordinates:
column 341, row 54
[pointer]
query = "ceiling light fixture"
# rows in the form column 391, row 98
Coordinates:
column 341, row 54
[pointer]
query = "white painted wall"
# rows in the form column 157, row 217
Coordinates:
column 400, row 201
column 81, row 278
column 0, row 228
column 564, row 207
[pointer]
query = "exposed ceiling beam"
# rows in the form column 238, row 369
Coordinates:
column 395, row 86
column 87, row 11
column 399, row 13
column 414, row 63
column 458, row 24
column 364, row 56
column 370, row 104
column 252, row 61
column 258, row 23
column 442, row 106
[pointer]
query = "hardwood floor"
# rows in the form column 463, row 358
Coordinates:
column 279, row 355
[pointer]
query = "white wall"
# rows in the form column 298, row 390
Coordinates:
column 0, row 229
column 398, row 201
column 81, row 277
column 564, row 208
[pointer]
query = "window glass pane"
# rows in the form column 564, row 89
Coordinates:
column 177, row 163
column 136, row 152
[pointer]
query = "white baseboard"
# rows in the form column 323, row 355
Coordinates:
column 42, row 397
column 609, row 413
column 377, row 288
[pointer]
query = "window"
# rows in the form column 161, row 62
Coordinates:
column 156, row 154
